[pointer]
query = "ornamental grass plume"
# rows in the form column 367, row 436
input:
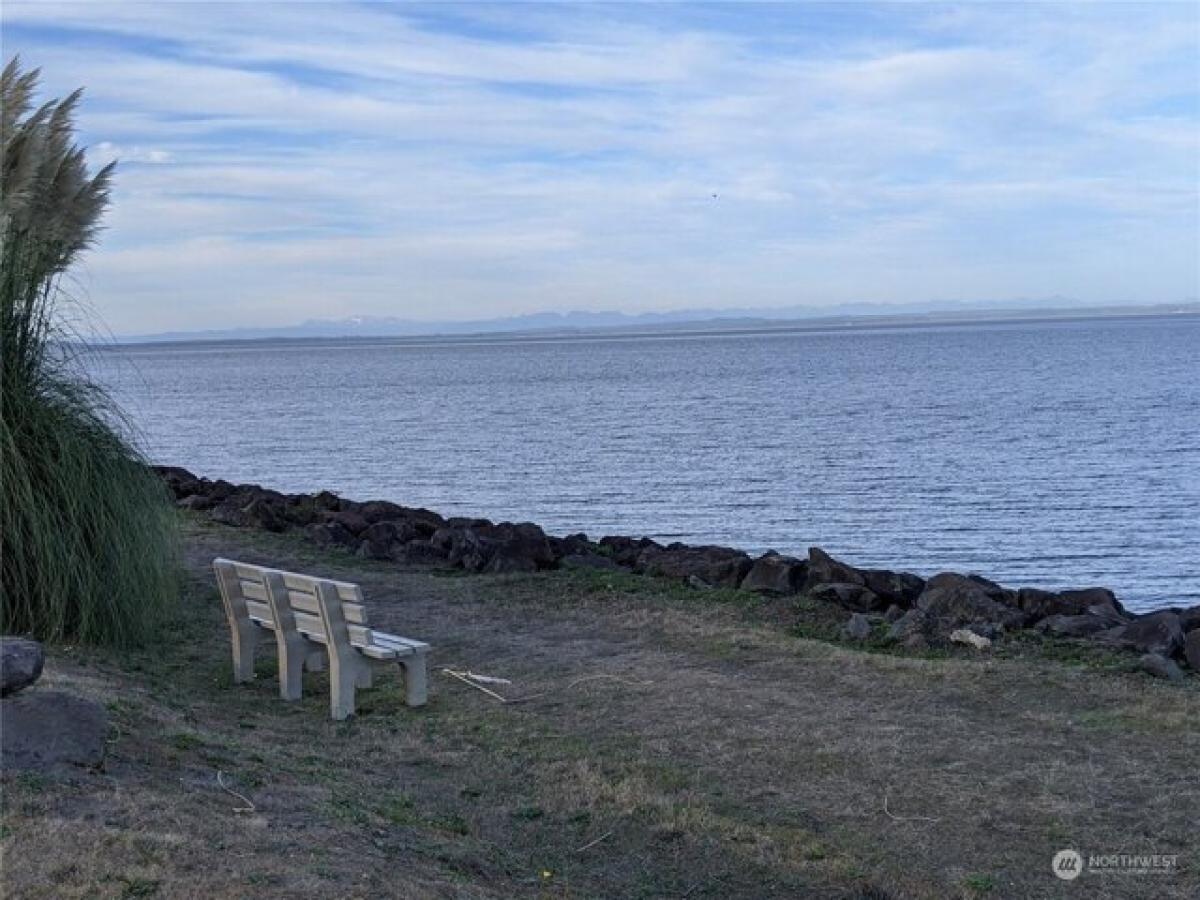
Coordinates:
column 88, row 540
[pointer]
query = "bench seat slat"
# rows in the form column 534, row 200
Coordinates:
column 304, row 601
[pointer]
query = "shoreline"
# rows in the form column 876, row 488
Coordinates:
column 904, row 609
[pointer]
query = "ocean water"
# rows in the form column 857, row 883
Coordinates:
column 1051, row 454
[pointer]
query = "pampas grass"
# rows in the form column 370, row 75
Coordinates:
column 87, row 532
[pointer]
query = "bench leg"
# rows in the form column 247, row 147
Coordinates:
column 245, row 639
column 416, row 689
column 315, row 661
column 342, row 677
column 292, row 653
column 363, row 679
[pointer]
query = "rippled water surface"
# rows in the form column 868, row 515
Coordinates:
column 1050, row 454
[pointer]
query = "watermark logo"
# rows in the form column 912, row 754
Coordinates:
column 1067, row 864
column 1070, row 864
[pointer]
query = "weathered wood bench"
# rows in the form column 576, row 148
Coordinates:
column 312, row 618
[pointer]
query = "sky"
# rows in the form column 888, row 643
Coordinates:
column 279, row 162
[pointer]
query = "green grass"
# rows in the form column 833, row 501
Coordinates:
column 89, row 533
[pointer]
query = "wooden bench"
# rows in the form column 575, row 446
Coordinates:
column 312, row 618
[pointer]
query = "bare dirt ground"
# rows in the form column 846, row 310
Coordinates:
column 673, row 744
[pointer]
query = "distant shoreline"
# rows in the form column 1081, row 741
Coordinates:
column 698, row 328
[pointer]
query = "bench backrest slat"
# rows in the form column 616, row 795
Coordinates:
column 248, row 587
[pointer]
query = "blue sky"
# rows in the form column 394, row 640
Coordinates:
column 286, row 161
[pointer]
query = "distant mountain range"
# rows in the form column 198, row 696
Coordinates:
column 549, row 323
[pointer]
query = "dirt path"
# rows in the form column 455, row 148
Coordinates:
column 673, row 746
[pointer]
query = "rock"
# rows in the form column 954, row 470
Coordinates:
column 900, row 588
column 519, row 547
column 196, row 502
column 349, row 519
column 970, row 638
column 698, row 583
column 266, row 514
column 228, row 512
column 379, row 540
column 1039, row 604
column 1160, row 667
column 955, row 600
column 327, row 500
column 626, row 550
column 857, row 628
column 380, row 510
column 590, row 561
column 219, row 490
column 330, row 534
column 1074, row 626
column 716, row 566
column 772, row 573
column 21, row 664
column 855, row 597
column 1157, row 632
column 892, row 613
column 47, row 729
column 571, row 545
column 910, row 630
column 1191, row 649
column 1189, row 619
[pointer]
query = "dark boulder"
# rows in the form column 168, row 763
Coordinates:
column 380, row 510
column 21, row 664
column 228, row 512
column 1191, row 649
column 220, row 490
column 349, row 519
column 626, row 550
column 1156, row 632
column 1160, row 667
column 857, row 597
column 331, row 534
column 715, row 566
column 1038, row 604
column 49, row 729
column 571, row 545
column 179, row 481
column 901, row 588
column 517, row 547
column 952, row 600
column 1084, row 625
column 1189, row 619
column 857, row 628
column 911, row 630
column 196, row 502
column 265, row 513
column 773, row 573
column 326, row 500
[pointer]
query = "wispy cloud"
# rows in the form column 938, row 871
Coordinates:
column 281, row 161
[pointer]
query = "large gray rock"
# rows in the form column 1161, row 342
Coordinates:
column 1157, row 632
column 1038, row 604
column 955, row 600
column 1075, row 626
column 716, row 566
column 330, row 534
column 857, row 628
column 773, row 573
column 1189, row 619
column 588, row 560
column 20, row 664
column 1191, row 649
column 855, row 597
column 900, row 588
column 911, row 630
column 1160, row 667
column 49, row 729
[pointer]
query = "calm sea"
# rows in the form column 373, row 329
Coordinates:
column 1052, row 454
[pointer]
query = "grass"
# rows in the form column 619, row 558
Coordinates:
column 88, row 531
column 734, row 759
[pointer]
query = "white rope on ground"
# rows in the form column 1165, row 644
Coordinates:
column 468, row 677
column 891, row 815
column 590, row 844
column 249, row 807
